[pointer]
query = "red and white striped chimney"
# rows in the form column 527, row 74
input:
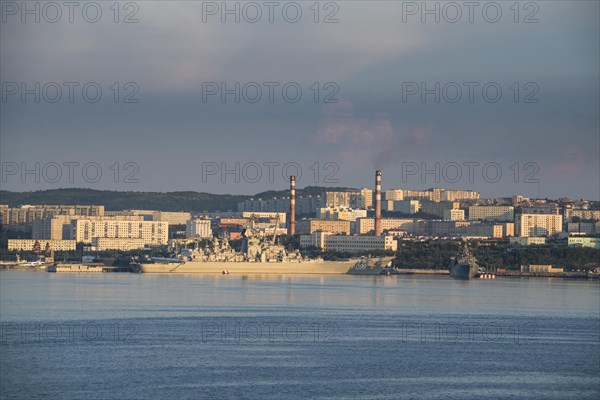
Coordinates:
column 377, row 203
column 292, row 230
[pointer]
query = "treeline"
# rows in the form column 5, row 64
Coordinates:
column 170, row 201
column 436, row 255
column 570, row 258
column 113, row 200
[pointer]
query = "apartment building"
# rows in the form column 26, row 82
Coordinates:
column 309, row 226
column 438, row 208
column 28, row 244
column 26, row 214
column 539, row 224
column 351, row 244
column 198, row 228
column 152, row 232
column 343, row 214
column 411, row 225
column 494, row 213
column 581, row 214
column 454, row 214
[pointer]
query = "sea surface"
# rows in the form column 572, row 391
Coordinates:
column 144, row 336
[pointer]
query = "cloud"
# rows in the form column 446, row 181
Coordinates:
column 171, row 49
column 571, row 160
column 365, row 140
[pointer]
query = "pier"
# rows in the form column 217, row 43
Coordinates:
column 95, row 267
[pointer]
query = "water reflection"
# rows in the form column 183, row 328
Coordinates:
column 23, row 293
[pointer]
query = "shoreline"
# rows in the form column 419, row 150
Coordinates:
column 412, row 271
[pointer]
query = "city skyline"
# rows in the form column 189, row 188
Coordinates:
column 262, row 195
column 265, row 194
column 166, row 117
column 299, row 199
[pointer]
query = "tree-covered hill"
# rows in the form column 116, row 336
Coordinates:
column 170, row 201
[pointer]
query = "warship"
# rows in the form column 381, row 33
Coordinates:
column 464, row 265
column 261, row 255
column 258, row 255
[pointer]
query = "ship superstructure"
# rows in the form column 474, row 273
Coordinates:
column 464, row 265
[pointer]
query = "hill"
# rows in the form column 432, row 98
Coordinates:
column 169, row 201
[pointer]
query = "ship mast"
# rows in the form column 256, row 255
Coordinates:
column 275, row 231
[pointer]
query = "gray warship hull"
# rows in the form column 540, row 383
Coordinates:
column 463, row 271
column 353, row 267
column 257, row 256
column 464, row 266
column 192, row 267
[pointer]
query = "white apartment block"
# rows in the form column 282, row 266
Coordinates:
column 325, row 225
column 151, row 232
column 354, row 199
column 26, row 214
column 487, row 230
column 198, row 228
column 387, row 205
column 342, row 214
column 420, row 195
column 582, row 214
column 144, row 214
column 541, row 208
column 59, row 226
column 315, row 239
column 336, row 199
column 508, row 229
column 498, row 213
column 432, row 194
column 394, row 195
column 172, row 218
column 540, row 224
column 304, row 204
column 266, row 215
column 454, row 195
column 27, row 244
column 455, row 214
column 123, row 244
column 351, row 244
column 365, row 225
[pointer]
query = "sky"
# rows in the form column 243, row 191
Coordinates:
column 181, row 96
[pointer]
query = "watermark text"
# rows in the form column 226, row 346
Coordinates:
column 68, row 172
column 254, row 172
column 53, row 12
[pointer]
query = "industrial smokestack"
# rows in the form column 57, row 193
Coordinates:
column 292, row 230
column 377, row 203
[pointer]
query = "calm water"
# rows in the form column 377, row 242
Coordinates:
column 138, row 336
